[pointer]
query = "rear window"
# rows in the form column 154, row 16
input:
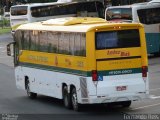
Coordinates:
column 117, row 39
column 119, row 13
column 20, row 10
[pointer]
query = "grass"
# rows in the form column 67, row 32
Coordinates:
column 5, row 30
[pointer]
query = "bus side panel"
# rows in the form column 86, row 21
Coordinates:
column 19, row 77
column 45, row 82
column 153, row 42
column 41, row 81
column 152, row 38
column 17, row 21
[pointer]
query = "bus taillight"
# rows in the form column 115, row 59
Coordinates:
column 144, row 71
column 94, row 75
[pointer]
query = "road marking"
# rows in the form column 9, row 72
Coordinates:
column 3, row 51
column 4, row 57
column 154, row 89
column 147, row 106
column 154, row 97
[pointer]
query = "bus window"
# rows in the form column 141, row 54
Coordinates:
column 119, row 13
column 33, row 40
column 69, row 8
column 43, row 43
column 100, row 9
column 53, row 42
column 149, row 16
column 63, row 47
column 20, row 10
column 26, row 40
column 117, row 39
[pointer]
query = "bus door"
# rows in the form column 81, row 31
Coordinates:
column 119, row 62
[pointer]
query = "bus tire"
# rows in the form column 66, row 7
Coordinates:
column 66, row 98
column 29, row 93
column 76, row 106
column 126, row 104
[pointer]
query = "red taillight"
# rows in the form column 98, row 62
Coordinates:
column 94, row 75
column 144, row 71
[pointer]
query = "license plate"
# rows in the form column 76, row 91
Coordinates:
column 121, row 88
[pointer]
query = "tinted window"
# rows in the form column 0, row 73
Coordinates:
column 126, row 2
column 119, row 13
column 68, row 8
column 20, row 10
column 149, row 16
column 117, row 39
column 52, row 42
column 26, row 40
column 34, row 40
column 100, row 9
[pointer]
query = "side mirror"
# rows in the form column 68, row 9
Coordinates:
column 9, row 48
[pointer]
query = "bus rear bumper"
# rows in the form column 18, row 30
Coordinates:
column 105, row 99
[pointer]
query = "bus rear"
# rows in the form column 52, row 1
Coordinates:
column 19, row 16
column 145, row 13
column 121, row 72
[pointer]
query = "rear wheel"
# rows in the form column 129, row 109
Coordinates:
column 29, row 93
column 66, row 98
column 75, row 104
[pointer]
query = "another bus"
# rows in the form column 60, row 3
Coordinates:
column 145, row 13
column 82, row 61
column 21, row 14
column 154, row 1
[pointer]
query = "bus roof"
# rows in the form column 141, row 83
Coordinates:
column 73, row 24
column 37, row 4
column 137, row 5
column 52, row 3
column 73, row 20
column 154, row 1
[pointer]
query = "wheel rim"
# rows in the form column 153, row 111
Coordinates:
column 65, row 100
column 28, row 90
column 74, row 101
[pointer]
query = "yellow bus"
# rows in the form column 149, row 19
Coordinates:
column 82, row 61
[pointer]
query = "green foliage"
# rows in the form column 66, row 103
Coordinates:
column 1, row 11
column 4, row 30
column 6, row 22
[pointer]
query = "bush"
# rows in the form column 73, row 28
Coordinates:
column 4, row 23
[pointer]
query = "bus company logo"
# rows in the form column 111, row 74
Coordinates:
column 118, row 52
